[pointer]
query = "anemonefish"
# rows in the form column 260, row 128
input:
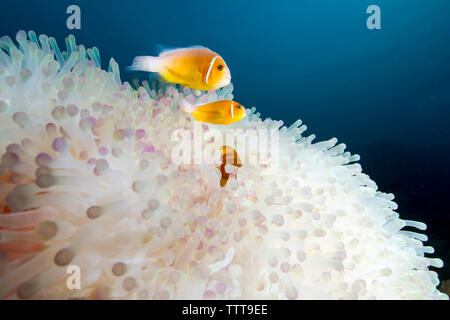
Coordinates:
column 197, row 68
column 219, row 112
column 229, row 157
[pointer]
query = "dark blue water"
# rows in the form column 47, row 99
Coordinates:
column 385, row 93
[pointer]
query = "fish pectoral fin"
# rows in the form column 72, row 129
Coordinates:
column 207, row 115
column 211, row 112
column 175, row 74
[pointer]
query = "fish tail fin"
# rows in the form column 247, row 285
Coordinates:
column 187, row 107
column 146, row 63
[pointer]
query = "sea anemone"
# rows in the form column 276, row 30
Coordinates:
column 88, row 179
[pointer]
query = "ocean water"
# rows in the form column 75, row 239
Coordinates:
column 384, row 93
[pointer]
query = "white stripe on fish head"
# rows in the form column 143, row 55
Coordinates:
column 232, row 111
column 210, row 67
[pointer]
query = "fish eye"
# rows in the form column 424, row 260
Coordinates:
column 239, row 107
column 220, row 67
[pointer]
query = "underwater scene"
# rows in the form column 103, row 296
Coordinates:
column 234, row 150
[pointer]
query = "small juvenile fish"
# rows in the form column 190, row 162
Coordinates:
column 219, row 112
column 229, row 157
column 197, row 68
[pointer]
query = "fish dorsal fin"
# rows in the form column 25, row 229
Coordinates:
column 164, row 50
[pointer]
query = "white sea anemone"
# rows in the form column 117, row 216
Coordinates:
column 87, row 179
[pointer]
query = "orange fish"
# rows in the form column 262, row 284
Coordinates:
column 197, row 68
column 230, row 157
column 219, row 112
